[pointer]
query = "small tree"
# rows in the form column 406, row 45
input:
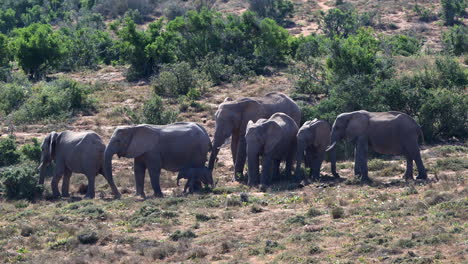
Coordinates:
column 456, row 40
column 451, row 9
column 37, row 48
column 154, row 112
column 4, row 58
column 275, row 9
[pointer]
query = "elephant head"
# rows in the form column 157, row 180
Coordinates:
column 349, row 126
column 261, row 138
column 48, row 148
column 129, row 142
column 231, row 117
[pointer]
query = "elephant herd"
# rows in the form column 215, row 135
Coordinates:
column 263, row 130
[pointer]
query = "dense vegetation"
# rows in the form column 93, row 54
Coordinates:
column 349, row 67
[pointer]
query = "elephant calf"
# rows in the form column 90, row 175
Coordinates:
column 79, row 152
column 393, row 133
column 275, row 140
column 194, row 177
column 313, row 139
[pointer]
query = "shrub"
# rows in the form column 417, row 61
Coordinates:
column 21, row 182
column 154, row 112
column 31, row 151
column 88, row 238
column 175, row 79
column 424, row 14
column 8, row 149
column 58, row 99
column 456, row 40
column 451, row 9
column 337, row 22
column 337, row 212
column 5, row 57
column 174, row 10
column 403, row 45
column 178, row 235
column 313, row 212
column 37, row 49
column 12, row 96
column 274, row 9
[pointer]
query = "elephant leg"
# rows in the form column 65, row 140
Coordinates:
column 357, row 171
column 139, row 171
column 234, row 144
column 112, row 185
column 154, row 169
column 59, row 171
column 266, row 172
column 361, row 153
column 276, row 176
column 66, row 182
column 422, row 173
column 91, row 182
column 317, row 163
column 309, row 160
column 241, row 157
column 409, row 169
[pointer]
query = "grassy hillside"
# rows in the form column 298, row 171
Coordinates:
column 410, row 66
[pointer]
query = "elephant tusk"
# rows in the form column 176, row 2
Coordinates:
column 331, row 146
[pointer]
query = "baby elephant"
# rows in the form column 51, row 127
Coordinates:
column 313, row 139
column 194, row 177
column 78, row 152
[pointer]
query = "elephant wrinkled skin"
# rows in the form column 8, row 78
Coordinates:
column 232, row 118
column 393, row 133
column 170, row 147
column 313, row 139
column 275, row 140
column 78, row 152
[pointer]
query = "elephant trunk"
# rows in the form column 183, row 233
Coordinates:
column 332, row 156
column 214, row 154
column 333, row 139
column 107, row 166
column 299, row 158
column 42, row 172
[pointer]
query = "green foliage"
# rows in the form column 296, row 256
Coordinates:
column 403, row 45
column 337, row 212
column 278, row 10
column 5, row 56
column 31, row 151
column 58, row 99
column 175, row 79
column 178, row 235
column 456, row 40
column 424, row 14
column 8, row 149
column 343, row 22
column 88, row 237
column 12, row 95
column 37, row 49
column 154, row 112
column 451, row 9
column 20, row 182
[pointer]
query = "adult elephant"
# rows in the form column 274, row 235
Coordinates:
column 391, row 132
column 275, row 140
column 232, row 118
column 170, row 147
column 313, row 139
column 79, row 152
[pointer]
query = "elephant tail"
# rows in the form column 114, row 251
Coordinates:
column 420, row 134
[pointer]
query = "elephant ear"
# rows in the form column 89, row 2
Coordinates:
column 142, row 139
column 272, row 135
column 357, row 125
column 53, row 144
column 227, row 99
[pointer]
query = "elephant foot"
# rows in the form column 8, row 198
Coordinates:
column 422, row 177
column 158, row 195
column 66, row 195
column 263, row 187
column 141, row 196
column 336, row 175
column 89, row 196
column 366, row 180
column 117, row 196
column 56, row 195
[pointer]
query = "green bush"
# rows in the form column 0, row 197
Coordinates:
column 424, row 14
column 451, row 9
column 12, row 96
column 37, row 48
column 9, row 155
column 278, row 10
column 5, row 57
column 154, row 112
column 456, row 40
column 403, row 45
column 58, row 99
column 21, row 182
column 175, row 79
column 31, row 151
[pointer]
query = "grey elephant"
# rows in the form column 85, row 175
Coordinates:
column 78, row 152
column 393, row 133
column 170, row 147
column 273, row 139
column 195, row 176
column 232, row 117
column 313, row 139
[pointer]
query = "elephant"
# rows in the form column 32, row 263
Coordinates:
column 232, row 117
column 275, row 140
column 78, row 152
column 195, row 175
column 171, row 147
column 390, row 132
column 313, row 139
